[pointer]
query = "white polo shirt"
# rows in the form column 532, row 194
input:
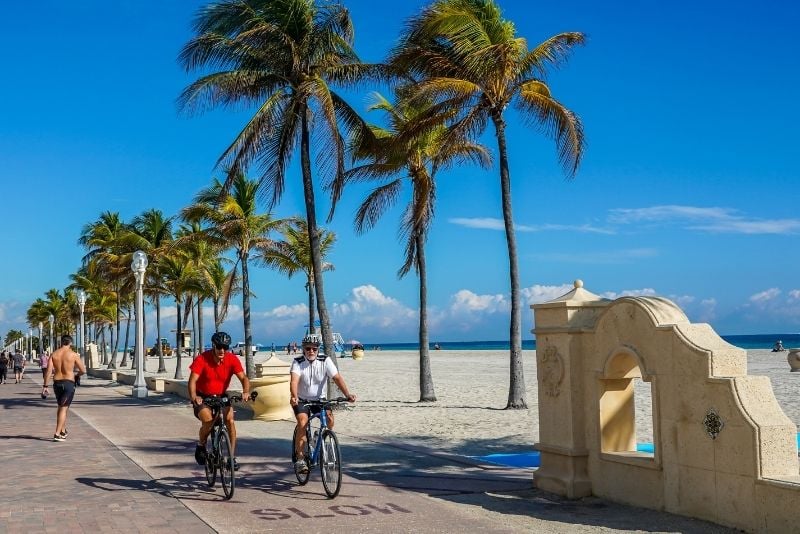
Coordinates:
column 313, row 376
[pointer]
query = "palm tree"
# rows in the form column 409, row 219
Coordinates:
column 469, row 59
column 232, row 222
column 292, row 255
column 282, row 57
column 419, row 156
column 155, row 233
column 178, row 277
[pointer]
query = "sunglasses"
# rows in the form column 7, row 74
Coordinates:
column 311, row 348
column 221, row 347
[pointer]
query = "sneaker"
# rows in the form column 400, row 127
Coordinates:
column 64, row 433
column 200, row 454
column 235, row 463
column 58, row 437
column 301, row 466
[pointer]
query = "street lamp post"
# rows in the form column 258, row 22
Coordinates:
column 50, row 320
column 30, row 343
column 41, row 339
column 84, row 353
column 138, row 266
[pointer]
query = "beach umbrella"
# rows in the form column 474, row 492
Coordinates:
column 353, row 342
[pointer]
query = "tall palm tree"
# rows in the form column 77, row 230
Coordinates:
column 178, row 277
column 418, row 156
column 469, row 59
column 231, row 221
column 293, row 255
column 282, row 57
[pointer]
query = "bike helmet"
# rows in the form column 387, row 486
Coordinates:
column 312, row 339
column 221, row 339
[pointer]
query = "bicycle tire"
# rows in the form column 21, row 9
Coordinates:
column 227, row 474
column 211, row 461
column 302, row 478
column 330, row 465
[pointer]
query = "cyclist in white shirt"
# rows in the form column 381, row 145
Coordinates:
column 309, row 376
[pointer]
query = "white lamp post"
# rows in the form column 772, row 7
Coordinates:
column 82, row 304
column 30, row 343
column 138, row 266
column 50, row 320
column 41, row 339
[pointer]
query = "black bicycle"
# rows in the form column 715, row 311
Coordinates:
column 219, row 457
column 322, row 447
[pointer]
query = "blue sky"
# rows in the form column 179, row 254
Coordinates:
column 687, row 189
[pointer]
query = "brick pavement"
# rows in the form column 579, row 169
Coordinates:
column 130, row 469
column 57, row 486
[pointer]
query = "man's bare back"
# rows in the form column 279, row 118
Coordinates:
column 63, row 362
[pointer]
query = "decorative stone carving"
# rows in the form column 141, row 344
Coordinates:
column 713, row 423
column 551, row 369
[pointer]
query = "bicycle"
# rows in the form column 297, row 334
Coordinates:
column 218, row 446
column 322, row 447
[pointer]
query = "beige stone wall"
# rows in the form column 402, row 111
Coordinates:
column 590, row 351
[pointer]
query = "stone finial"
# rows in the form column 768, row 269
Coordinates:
column 578, row 283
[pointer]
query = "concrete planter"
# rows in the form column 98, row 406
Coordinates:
column 794, row 359
column 358, row 354
column 272, row 384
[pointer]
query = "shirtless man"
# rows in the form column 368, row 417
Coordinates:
column 62, row 366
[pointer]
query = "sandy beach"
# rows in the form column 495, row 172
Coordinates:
column 472, row 389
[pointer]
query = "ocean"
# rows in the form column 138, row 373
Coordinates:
column 752, row 341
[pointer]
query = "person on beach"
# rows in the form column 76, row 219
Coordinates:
column 309, row 376
column 211, row 374
column 19, row 366
column 3, row 367
column 62, row 364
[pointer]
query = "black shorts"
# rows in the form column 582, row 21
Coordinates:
column 302, row 408
column 65, row 391
column 17, row 369
column 197, row 408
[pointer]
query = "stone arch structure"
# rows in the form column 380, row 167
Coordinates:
column 724, row 451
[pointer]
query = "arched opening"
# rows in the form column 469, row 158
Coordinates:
column 626, row 407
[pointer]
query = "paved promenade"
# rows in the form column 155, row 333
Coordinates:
column 128, row 466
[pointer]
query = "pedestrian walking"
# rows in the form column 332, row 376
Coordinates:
column 3, row 367
column 62, row 365
column 19, row 366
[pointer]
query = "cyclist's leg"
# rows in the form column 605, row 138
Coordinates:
column 300, row 442
column 330, row 418
column 203, row 413
column 228, row 414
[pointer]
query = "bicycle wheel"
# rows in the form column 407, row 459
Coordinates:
column 226, row 472
column 302, row 477
column 330, row 464
column 211, row 462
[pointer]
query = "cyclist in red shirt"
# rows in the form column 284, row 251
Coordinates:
column 211, row 374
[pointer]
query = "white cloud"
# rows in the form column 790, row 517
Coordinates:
column 537, row 294
column 645, row 292
column 715, row 220
column 466, row 301
column 765, row 296
column 488, row 223
column 795, row 294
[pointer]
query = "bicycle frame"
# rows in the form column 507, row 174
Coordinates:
column 315, row 446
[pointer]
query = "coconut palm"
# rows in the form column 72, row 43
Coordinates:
column 417, row 155
column 232, row 222
column 468, row 58
column 178, row 277
column 282, row 57
column 293, row 255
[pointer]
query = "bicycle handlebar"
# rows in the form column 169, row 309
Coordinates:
column 324, row 402
column 219, row 401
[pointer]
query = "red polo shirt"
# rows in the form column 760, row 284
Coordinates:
column 213, row 378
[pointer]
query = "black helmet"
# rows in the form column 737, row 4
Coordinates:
column 221, row 339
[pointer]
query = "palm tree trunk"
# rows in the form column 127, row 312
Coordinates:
column 248, row 335
column 426, row 393
column 310, row 288
column 200, row 325
column 516, row 390
column 162, row 368
column 313, row 236
column 178, row 335
column 124, row 361
column 216, row 314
